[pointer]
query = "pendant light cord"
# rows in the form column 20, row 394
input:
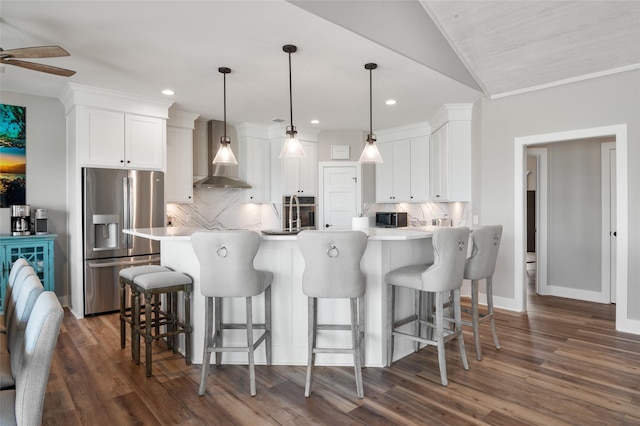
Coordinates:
column 224, row 100
column 370, row 101
column 290, row 94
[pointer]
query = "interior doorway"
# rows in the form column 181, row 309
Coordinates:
column 619, row 132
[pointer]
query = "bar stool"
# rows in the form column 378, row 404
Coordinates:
column 332, row 270
column 226, row 270
column 127, row 275
column 153, row 284
column 481, row 265
column 444, row 276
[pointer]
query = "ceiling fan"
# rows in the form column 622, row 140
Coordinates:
column 14, row 56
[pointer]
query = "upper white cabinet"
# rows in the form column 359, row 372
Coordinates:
column 293, row 175
column 300, row 174
column 450, row 154
column 117, row 139
column 254, row 162
column 404, row 174
column 112, row 129
column 178, row 187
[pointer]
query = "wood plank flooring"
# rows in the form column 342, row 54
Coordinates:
column 562, row 363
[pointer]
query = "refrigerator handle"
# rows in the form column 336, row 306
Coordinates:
column 126, row 193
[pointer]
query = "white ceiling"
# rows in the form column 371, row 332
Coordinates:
column 142, row 47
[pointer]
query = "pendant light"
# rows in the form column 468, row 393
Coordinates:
column 291, row 147
column 370, row 153
column 225, row 155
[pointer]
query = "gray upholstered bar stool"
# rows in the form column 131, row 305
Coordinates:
column 332, row 271
column 480, row 266
column 441, row 278
column 226, row 270
column 169, row 283
column 127, row 275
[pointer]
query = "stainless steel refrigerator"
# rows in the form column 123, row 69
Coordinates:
column 114, row 200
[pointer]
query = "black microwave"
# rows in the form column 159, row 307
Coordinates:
column 391, row 219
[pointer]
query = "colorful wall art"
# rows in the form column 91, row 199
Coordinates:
column 13, row 155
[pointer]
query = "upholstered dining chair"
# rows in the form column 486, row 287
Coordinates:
column 439, row 279
column 23, row 405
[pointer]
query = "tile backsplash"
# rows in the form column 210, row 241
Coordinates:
column 223, row 209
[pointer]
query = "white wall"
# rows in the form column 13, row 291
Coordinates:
column 354, row 138
column 603, row 101
column 46, row 173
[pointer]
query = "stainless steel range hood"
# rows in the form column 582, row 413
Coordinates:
column 220, row 176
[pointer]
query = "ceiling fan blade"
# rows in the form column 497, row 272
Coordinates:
column 35, row 52
column 38, row 67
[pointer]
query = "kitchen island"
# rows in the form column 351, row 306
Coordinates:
column 387, row 249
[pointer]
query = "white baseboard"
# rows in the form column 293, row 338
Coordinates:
column 574, row 293
column 628, row 326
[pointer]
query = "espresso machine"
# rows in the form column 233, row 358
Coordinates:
column 21, row 220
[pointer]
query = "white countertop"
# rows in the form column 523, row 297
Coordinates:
column 184, row 233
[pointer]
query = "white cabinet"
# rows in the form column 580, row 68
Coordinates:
column 450, row 162
column 254, row 162
column 178, row 187
column 118, row 139
column 403, row 176
column 300, row 175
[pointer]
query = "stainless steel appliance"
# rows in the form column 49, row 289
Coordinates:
column 391, row 219
column 307, row 218
column 40, row 225
column 21, row 219
column 442, row 221
column 114, row 200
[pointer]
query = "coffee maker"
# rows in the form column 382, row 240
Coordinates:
column 21, row 220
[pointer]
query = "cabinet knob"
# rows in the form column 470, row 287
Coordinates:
column 122, row 161
column 327, row 225
column 128, row 161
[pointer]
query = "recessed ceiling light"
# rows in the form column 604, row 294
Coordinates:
column 168, row 92
column 390, row 102
column 315, row 121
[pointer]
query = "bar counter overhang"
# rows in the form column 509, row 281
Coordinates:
column 387, row 249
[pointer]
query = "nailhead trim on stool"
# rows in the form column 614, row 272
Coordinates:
column 157, row 283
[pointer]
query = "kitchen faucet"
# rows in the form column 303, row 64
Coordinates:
column 297, row 221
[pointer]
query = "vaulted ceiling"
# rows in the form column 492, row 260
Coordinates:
column 428, row 52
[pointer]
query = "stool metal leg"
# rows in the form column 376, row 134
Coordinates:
column 391, row 299
column 475, row 318
column 208, row 345
column 217, row 338
column 123, row 313
column 148, row 325
column 442, row 361
column 187, row 325
column 313, row 324
column 355, row 339
column 361, row 328
column 490, row 313
column 252, row 367
column 267, row 322
column 135, row 325
column 458, row 322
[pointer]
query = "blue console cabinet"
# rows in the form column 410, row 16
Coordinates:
column 36, row 249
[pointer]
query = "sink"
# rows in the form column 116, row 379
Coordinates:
column 280, row 231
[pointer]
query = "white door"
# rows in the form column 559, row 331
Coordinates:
column 613, row 232
column 339, row 197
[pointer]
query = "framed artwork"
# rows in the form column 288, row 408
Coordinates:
column 13, row 155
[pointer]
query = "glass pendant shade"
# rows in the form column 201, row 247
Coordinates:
column 370, row 153
column 225, row 155
column 291, row 148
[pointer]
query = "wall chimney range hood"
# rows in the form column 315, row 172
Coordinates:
column 219, row 176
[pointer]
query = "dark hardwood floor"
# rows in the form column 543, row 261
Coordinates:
column 561, row 363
